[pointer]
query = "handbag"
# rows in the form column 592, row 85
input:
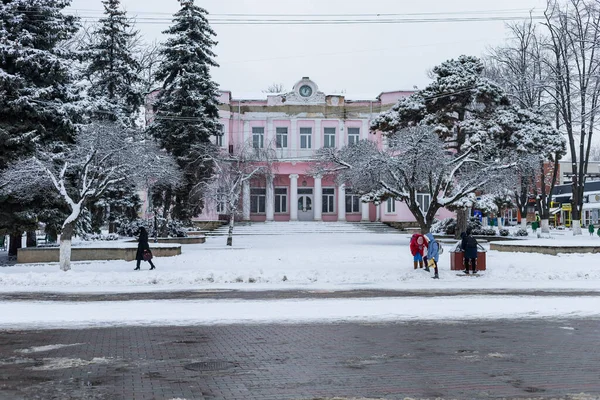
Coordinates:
column 147, row 255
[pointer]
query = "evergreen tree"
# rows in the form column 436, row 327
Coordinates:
column 112, row 70
column 187, row 112
column 38, row 100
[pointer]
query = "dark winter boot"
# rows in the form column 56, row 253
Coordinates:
column 420, row 264
column 415, row 263
column 436, row 276
column 427, row 268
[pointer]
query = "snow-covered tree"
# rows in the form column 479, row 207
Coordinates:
column 471, row 114
column 102, row 156
column 112, row 69
column 573, row 28
column 39, row 101
column 520, row 67
column 232, row 171
column 187, row 108
column 415, row 161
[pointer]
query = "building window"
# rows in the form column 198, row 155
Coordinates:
column 329, row 138
column 281, row 137
column 258, row 137
column 258, row 200
column 391, row 206
column 221, row 207
column 328, row 200
column 305, row 138
column 424, row 199
column 219, row 137
column 353, row 136
column 352, row 203
column 280, row 200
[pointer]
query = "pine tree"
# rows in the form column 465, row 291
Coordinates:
column 112, row 70
column 36, row 82
column 187, row 112
column 38, row 98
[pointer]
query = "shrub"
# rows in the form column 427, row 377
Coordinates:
column 504, row 232
column 484, row 232
column 95, row 236
column 447, row 226
column 132, row 228
column 521, row 232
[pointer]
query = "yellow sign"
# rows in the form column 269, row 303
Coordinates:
column 566, row 207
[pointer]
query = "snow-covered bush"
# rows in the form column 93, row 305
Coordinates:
column 133, row 228
column 446, row 226
column 504, row 232
column 521, row 232
column 94, row 236
column 484, row 232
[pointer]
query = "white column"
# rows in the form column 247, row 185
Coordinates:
column 293, row 138
column 246, row 201
column 247, row 132
column 342, row 135
column 270, row 199
column 364, row 131
column 269, row 134
column 293, row 197
column 378, row 213
column 341, row 209
column 364, row 211
column 317, row 135
column 318, row 203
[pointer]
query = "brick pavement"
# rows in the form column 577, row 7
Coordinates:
column 466, row 360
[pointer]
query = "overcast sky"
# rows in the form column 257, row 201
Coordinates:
column 359, row 58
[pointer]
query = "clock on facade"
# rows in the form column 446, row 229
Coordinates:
column 305, row 91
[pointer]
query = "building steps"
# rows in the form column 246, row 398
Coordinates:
column 301, row 227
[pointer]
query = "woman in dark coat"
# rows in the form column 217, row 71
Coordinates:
column 142, row 245
column 469, row 246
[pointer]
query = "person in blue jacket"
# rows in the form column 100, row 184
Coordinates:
column 433, row 254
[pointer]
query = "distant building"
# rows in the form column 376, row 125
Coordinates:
column 297, row 124
column 566, row 172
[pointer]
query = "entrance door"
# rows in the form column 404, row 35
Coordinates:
column 305, row 205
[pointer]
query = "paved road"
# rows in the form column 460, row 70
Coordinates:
column 284, row 294
column 472, row 360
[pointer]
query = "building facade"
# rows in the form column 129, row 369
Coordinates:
column 296, row 124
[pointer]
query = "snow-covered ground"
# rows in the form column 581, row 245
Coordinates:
column 314, row 261
column 308, row 261
column 48, row 315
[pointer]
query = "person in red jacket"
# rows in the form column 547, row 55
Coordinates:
column 418, row 248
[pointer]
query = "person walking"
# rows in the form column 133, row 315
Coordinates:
column 469, row 246
column 418, row 248
column 591, row 229
column 143, row 246
column 433, row 254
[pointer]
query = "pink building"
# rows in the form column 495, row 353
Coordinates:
column 296, row 124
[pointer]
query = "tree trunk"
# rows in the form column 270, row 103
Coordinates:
column 14, row 244
column 230, row 231
column 546, row 226
column 523, row 223
column 65, row 246
column 112, row 227
column 577, row 227
column 31, row 239
column 462, row 220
